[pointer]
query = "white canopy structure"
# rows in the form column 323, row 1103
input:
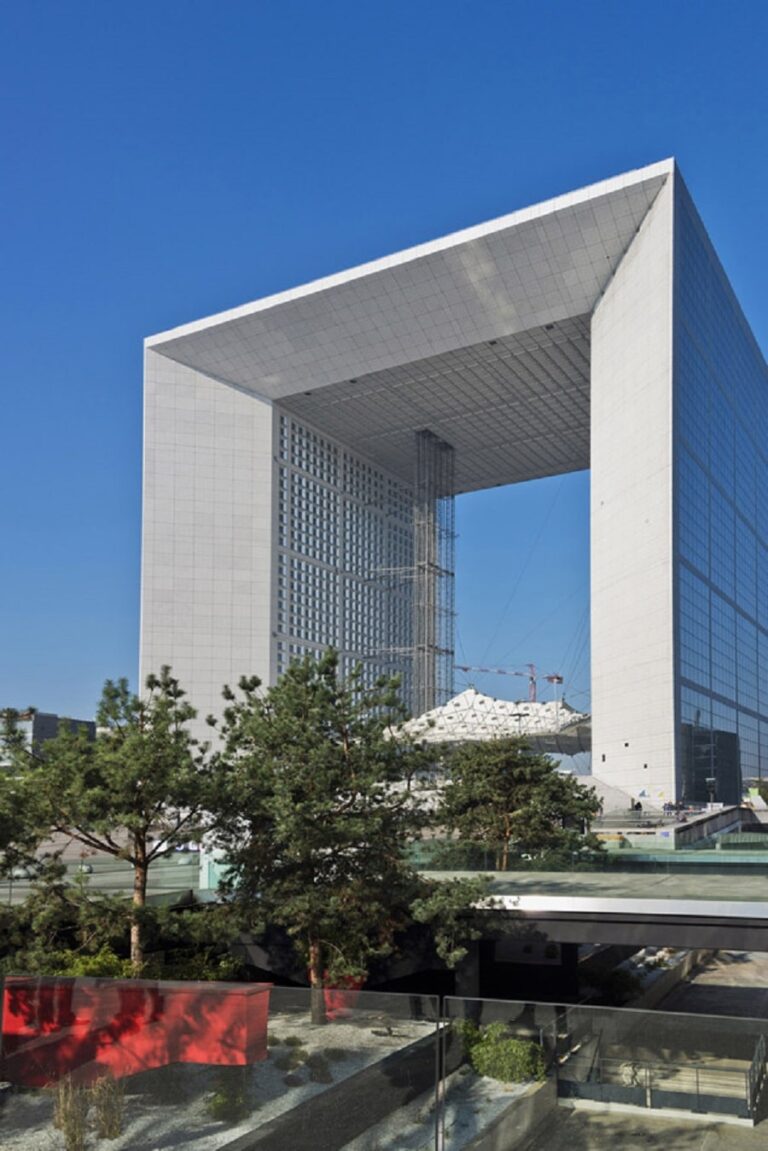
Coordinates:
column 553, row 727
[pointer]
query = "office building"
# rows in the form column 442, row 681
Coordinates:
column 302, row 454
column 36, row 727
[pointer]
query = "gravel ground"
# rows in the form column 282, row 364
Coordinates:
column 171, row 1107
column 471, row 1103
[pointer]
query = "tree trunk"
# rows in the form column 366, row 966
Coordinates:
column 316, row 997
column 139, row 901
column 502, row 859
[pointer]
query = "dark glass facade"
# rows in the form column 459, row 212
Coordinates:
column 721, row 525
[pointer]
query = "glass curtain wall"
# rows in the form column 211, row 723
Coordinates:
column 721, row 517
column 345, row 540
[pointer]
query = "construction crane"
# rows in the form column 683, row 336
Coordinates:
column 530, row 674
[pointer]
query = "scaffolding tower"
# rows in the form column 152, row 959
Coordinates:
column 434, row 547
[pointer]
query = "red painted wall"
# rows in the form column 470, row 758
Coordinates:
column 54, row 1027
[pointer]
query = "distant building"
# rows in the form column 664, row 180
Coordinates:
column 39, row 726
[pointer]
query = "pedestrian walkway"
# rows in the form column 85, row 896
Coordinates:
column 731, row 983
column 594, row 1131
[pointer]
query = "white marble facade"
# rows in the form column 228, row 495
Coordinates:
column 536, row 344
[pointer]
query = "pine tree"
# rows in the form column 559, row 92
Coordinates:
column 136, row 792
column 317, row 813
column 499, row 793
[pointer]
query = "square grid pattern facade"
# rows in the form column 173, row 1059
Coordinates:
column 207, row 557
column 344, row 557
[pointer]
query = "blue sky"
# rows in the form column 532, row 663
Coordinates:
column 165, row 159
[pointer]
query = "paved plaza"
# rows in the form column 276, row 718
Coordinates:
column 731, row 983
column 593, row 1131
column 722, row 885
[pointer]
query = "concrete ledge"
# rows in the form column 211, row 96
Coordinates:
column 669, row 979
column 698, row 1117
column 348, row 1109
column 516, row 1123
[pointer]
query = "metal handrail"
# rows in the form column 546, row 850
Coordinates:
column 756, row 1074
column 652, row 1076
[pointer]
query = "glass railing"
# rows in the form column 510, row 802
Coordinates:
column 643, row 1065
column 730, row 875
column 144, row 1066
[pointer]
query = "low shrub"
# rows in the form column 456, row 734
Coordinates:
column 71, row 1104
column 103, row 964
column 319, row 1068
column 494, row 1052
column 230, row 1102
column 616, row 987
column 467, row 1032
column 291, row 1059
column 108, row 1098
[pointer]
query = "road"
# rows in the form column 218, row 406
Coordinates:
column 177, row 872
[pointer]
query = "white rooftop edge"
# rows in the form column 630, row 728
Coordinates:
column 452, row 240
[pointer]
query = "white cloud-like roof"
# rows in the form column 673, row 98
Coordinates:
column 472, row 716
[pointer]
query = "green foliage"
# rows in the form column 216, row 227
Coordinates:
column 507, row 1059
column 314, row 795
column 21, row 830
column 104, row 963
column 616, row 987
column 63, row 928
column 230, row 1102
column 291, row 1059
column 467, row 1032
column 135, row 792
column 192, row 943
column 199, row 967
column 319, row 1068
column 60, row 927
column 316, row 813
column 494, row 1052
column 449, row 908
column 500, row 794
column 36, row 961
